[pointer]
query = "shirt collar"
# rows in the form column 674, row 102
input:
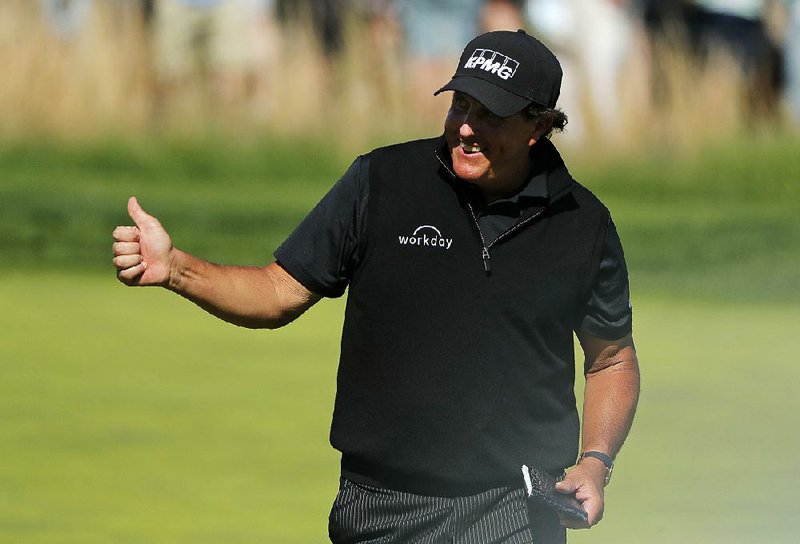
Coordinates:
column 544, row 157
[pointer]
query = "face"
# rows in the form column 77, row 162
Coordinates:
column 488, row 151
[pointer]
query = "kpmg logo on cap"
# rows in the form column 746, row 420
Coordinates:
column 493, row 62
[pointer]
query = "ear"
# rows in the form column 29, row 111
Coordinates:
column 541, row 128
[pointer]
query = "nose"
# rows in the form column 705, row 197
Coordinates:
column 465, row 130
column 466, row 127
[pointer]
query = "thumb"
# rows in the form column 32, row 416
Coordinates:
column 566, row 486
column 139, row 216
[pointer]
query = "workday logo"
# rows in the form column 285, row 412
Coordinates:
column 427, row 236
column 493, row 62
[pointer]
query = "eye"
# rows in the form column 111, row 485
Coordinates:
column 491, row 119
column 459, row 103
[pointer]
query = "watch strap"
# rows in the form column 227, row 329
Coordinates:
column 605, row 459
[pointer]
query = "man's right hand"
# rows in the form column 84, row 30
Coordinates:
column 143, row 253
column 248, row 296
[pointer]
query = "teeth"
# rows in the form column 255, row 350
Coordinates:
column 474, row 148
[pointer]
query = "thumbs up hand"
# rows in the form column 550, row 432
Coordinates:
column 142, row 253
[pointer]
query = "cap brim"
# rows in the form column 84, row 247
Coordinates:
column 498, row 101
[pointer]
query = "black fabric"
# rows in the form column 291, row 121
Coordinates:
column 608, row 314
column 451, row 378
column 448, row 374
column 505, row 71
column 324, row 249
column 497, row 217
column 366, row 514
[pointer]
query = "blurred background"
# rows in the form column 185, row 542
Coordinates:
column 129, row 416
column 636, row 72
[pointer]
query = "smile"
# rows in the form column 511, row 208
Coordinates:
column 471, row 148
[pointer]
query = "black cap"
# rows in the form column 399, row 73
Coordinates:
column 506, row 71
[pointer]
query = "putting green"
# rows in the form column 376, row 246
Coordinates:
column 127, row 415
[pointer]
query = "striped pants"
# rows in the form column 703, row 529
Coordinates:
column 366, row 514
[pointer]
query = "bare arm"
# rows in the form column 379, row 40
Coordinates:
column 611, row 395
column 610, row 398
column 249, row 296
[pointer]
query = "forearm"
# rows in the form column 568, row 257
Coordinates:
column 610, row 400
column 248, row 296
column 610, row 397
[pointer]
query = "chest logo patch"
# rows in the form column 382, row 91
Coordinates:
column 426, row 236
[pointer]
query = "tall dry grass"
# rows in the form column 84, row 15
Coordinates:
column 103, row 80
column 71, row 88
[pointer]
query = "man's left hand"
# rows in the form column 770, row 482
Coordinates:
column 585, row 481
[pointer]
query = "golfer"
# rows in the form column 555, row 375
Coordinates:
column 470, row 260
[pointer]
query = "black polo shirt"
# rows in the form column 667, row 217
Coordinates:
column 323, row 250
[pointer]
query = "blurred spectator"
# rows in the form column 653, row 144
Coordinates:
column 593, row 39
column 502, row 15
column 143, row 11
column 147, row 8
column 66, row 17
column 738, row 28
column 662, row 17
column 792, row 59
column 210, row 42
column 434, row 32
column 380, row 16
column 327, row 16
column 735, row 25
column 437, row 29
column 666, row 30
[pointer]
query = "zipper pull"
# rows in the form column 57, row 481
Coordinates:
column 485, row 256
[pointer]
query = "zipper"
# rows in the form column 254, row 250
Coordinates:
column 485, row 252
column 485, row 257
column 485, row 247
column 516, row 227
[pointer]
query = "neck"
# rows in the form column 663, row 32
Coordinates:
column 499, row 189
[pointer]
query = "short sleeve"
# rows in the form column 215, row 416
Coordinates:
column 608, row 313
column 322, row 250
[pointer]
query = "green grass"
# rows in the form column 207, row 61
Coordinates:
column 227, row 202
column 710, row 457
column 721, row 224
column 128, row 416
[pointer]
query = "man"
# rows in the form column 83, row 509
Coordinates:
column 470, row 260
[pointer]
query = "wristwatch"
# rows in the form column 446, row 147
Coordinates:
column 607, row 461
